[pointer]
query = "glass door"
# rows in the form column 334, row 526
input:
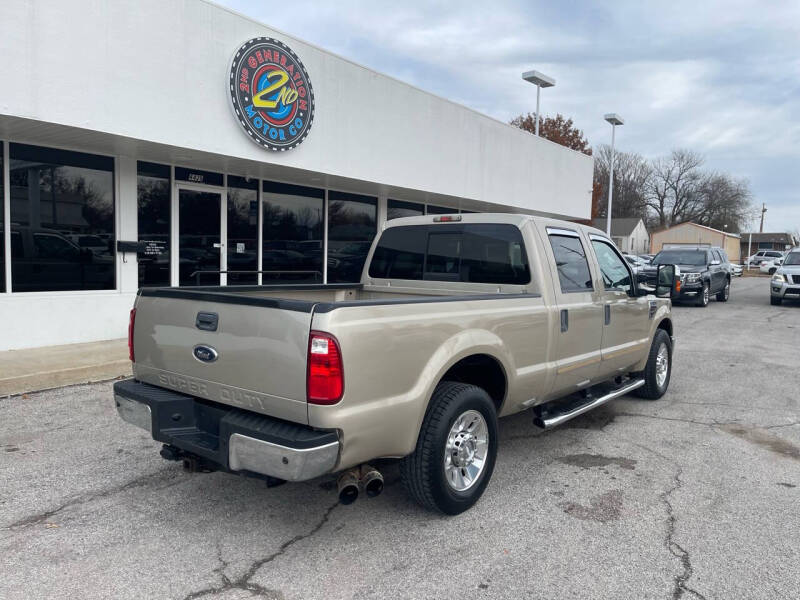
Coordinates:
column 199, row 243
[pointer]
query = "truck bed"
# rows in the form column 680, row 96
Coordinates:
column 247, row 346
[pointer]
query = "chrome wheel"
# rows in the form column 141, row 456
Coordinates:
column 727, row 290
column 662, row 365
column 706, row 295
column 466, row 450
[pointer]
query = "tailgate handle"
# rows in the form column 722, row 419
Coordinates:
column 207, row 321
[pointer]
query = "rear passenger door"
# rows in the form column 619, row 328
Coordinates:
column 719, row 272
column 626, row 327
column 580, row 327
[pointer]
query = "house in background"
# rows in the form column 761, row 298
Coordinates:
column 766, row 241
column 629, row 234
column 692, row 234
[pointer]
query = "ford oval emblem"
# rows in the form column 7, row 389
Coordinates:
column 205, row 354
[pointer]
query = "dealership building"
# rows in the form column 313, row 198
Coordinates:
column 178, row 143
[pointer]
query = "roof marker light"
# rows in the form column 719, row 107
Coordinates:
column 446, row 218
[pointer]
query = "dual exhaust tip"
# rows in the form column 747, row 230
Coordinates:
column 352, row 481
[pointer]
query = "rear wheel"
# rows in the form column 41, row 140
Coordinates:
column 724, row 293
column 658, row 370
column 456, row 449
column 775, row 300
column 772, row 270
column 704, row 296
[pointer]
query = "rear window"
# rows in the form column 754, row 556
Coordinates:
column 480, row 253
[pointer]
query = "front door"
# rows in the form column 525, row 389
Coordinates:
column 626, row 327
column 580, row 323
column 200, row 246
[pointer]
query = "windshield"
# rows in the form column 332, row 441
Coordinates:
column 793, row 258
column 680, row 257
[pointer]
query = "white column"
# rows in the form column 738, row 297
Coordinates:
column 127, row 222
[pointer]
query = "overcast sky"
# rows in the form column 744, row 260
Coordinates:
column 720, row 78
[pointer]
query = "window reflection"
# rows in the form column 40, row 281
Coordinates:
column 242, row 230
column 351, row 228
column 291, row 233
column 2, row 226
column 62, row 211
column 153, row 201
column 396, row 209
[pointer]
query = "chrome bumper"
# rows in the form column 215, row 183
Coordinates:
column 292, row 464
column 228, row 438
column 134, row 412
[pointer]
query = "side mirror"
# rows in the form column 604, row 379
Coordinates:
column 667, row 283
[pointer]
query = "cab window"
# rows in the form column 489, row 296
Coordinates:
column 573, row 268
column 615, row 274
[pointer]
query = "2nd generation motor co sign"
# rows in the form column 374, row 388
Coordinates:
column 271, row 94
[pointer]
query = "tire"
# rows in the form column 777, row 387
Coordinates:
column 425, row 471
column 775, row 300
column 724, row 293
column 772, row 270
column 704, row 296
column 652, row 389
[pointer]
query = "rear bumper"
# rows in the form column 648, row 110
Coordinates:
column 229, row 438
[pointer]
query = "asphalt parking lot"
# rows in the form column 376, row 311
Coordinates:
column 694, row 495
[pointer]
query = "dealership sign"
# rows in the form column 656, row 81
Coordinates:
column 271, row 94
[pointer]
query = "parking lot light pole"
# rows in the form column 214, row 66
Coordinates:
column 615, row 120
column 540, row 80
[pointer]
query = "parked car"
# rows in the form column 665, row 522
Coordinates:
column 635, row 262
column 785, row 282
column 763, row 255
column 736, row 270
column 704, row 271
column 770, row 266
column 416, row 362
column 648, row 258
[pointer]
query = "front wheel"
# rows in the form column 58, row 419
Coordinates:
column 456, row 449
column 658, row 370
column 704, row 296
column 724, row 293
column 775, row 300
column 772, row 270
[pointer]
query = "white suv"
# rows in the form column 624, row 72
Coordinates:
column 764, row 255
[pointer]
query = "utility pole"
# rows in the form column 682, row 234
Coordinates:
column 763, row 210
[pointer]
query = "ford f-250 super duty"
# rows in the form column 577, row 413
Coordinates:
column 458, row 320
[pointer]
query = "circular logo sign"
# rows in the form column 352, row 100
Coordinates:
column 271, row 94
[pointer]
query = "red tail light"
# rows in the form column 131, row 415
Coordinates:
column 325, row 372
column 130, row 335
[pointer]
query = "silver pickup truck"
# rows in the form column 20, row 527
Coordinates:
column 457, row 320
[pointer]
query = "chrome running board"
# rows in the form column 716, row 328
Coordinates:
column 557, row 415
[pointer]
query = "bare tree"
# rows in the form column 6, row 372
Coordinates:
column 631, row 176
column 672, row 190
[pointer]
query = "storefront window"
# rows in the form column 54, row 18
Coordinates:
column 352, row 224
column 153, row 191
column 432, row 209
column 396, row 209
column 62, row 211
column 242, row 230
column 2, row 225
column 291, row 233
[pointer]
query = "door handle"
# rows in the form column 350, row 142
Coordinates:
column 607, row 308
column 564, row 320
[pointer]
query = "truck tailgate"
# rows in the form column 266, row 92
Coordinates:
column 260, row 345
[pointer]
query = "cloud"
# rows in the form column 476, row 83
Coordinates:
column 722, row 78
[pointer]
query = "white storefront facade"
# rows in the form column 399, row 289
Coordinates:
column 125, row 162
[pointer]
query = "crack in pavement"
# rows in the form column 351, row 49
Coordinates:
column 712, row 424
column 679, row 587
column 91, row 496
column 243, row 582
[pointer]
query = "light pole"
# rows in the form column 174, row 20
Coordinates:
column 540, row 80
column 615, row 120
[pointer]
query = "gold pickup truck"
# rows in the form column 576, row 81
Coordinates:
column 457, row 320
